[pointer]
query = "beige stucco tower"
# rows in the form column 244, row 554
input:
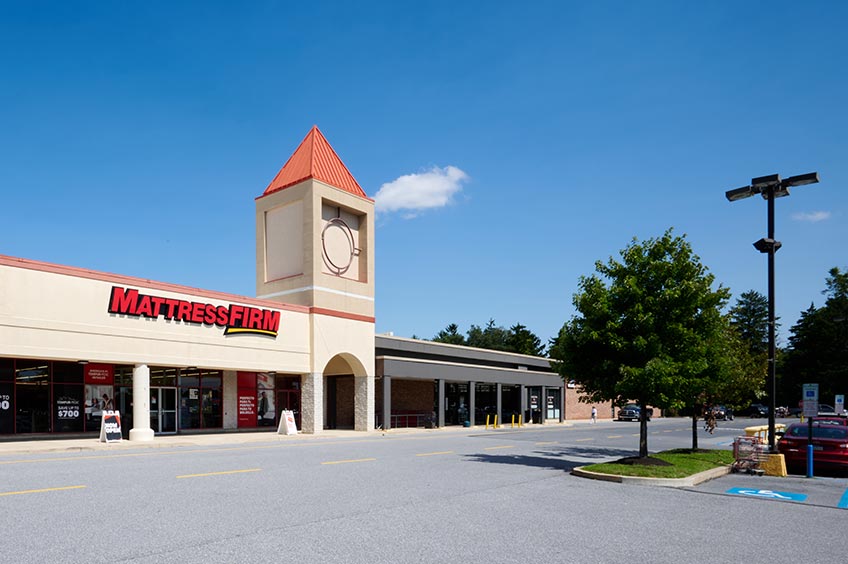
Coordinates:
column 315, row 248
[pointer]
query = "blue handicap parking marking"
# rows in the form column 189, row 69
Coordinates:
column 843, row 503
column 771, row 494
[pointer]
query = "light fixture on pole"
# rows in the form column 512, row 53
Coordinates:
column 771, row 187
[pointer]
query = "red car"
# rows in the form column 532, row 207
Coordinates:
column 830, row 445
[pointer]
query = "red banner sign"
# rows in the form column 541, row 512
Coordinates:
column 99, row 374
column 247, row 408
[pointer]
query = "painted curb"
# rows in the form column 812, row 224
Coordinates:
column 692, row 480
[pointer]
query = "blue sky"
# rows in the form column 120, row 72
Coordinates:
column 535, row 137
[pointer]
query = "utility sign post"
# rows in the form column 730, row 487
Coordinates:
column 811, row 409
column 811, row 400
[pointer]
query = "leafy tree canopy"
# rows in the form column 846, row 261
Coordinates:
column 517, row 339
column 644, row 329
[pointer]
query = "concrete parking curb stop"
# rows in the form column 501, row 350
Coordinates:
column 688, row 481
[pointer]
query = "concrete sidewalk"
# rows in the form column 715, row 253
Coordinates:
column 78, row 444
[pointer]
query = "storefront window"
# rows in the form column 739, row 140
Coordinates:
column 211, row 409
column 123, row 375
column 200, row 399
column 67, row 372
column 266, row 409
column 7, row 370
column 32, row 396
column 485, row 402
column 163, row 377
column 456, row 403
column 7, row 408
column 68, row 410
column 510, row 403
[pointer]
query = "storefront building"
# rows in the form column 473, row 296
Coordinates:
column 423, row 383
column 173, row 359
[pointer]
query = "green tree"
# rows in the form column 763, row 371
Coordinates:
column 521, row 340
column 646, row 334
column 750, row 317
column 450, row 335
column 732, row 375
column 491, row 337
column 817, row 351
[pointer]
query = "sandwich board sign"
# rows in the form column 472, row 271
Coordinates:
column 287, row 423
column 110, row 427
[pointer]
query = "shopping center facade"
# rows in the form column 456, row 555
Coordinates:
column 175, row 359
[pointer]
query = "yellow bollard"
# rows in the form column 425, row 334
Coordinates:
column 495, row 426
column 487, row 422
column 520, row 417
column 513, row 420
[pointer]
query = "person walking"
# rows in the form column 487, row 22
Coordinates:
column 594, row 414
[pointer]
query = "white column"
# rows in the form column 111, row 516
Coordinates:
column 363, row 403
column 312, row 403
column 141, row 430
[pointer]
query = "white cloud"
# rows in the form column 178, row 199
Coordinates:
column 434, row 188
column 812, row 217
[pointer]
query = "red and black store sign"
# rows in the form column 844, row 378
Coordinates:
column 235, row 319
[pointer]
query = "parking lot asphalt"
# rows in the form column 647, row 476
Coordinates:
column 817, row 491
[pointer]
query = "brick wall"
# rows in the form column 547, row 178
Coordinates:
column 344, row 401
column 574, row 409
column 407, row 395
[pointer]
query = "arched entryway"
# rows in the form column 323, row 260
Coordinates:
column 346, row 398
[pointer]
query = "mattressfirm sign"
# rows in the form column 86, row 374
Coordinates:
column 234, row 318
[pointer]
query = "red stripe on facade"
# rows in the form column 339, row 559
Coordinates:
column 341, row 314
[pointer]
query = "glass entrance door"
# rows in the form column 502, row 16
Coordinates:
column 289, row 400
column 163, row 410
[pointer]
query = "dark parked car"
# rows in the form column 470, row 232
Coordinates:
column 723, row 413
column 756, row 410
column 631, row 411
column 830, row 446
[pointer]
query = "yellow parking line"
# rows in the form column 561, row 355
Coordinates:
column 615, row 436
column 347, row 461
column 219, row 473
column 581, row 440
column 546, row 443
column 435, row 453
column 42, row 490
column 497, row 447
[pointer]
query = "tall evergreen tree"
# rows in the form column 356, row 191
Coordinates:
column 818, row 346
column 450, row 335
column 750, row 318
column 521, row 340
column 491, row 337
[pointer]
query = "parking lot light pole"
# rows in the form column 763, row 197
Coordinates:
column 771, row 187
